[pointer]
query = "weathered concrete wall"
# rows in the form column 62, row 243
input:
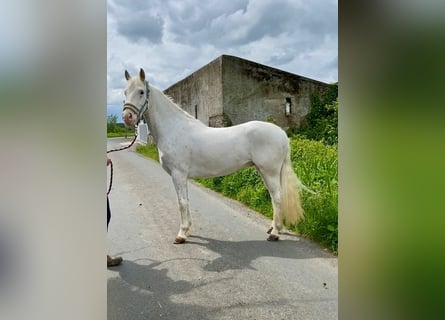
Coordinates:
column 200, row 93
column 252, row 91
column 230, row 90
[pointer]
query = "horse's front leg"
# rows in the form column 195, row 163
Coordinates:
column 180, row 183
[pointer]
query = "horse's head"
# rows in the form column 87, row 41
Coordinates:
column 136, row 98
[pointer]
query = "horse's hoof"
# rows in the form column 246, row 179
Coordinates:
column 179, row 240
column 273, row 237
column 270, row 230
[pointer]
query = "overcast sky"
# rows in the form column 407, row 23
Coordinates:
column 171, row 39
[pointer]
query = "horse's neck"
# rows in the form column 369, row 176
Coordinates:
column 166, row 120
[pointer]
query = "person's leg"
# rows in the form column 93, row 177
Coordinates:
column 111, row 261
column 108, row 213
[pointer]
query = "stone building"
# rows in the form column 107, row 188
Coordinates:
column 230, row 90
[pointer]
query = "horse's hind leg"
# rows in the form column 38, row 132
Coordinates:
column 180, row 183
column 272, row 180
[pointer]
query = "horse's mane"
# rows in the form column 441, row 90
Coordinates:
column 170, row 100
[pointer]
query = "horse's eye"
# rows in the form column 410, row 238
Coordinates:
column 141, row 92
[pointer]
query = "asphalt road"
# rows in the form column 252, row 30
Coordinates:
column 225, row 270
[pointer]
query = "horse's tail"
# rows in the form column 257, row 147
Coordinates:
column 291, row 208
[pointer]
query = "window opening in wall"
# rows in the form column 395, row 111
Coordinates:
column 288, row 107
column 196, row 111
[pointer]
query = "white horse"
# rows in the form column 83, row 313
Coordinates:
column 190, row 149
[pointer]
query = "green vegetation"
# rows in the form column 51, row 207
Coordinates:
column 115, row 129
column 321, row 123
column 149, row 150
column 245, row 186
column 316, row 164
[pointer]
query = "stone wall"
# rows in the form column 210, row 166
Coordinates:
column 231, row 90
column 257, row 92
column 200, row 93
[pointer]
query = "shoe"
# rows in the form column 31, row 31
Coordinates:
column 113, row 261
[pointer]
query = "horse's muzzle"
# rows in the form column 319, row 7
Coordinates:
column 129, row 117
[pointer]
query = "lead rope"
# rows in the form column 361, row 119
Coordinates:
column 111, row 177
column 123, row 148
column 111, row 162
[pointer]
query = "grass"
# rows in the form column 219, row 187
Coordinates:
column 315, row 163
column 119, row 134
column 149, row 150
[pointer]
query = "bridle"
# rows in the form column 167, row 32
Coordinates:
column 140, row 113
column 145, row 107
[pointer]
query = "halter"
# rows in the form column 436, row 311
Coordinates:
column 132, row 107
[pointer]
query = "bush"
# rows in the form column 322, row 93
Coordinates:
column 316, row 164
column 321, row 123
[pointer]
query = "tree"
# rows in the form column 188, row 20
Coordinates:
column 112, row 123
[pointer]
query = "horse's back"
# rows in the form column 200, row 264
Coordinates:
column 265, row 130
column 252, row 134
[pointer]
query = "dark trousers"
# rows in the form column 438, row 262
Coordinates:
column 108, row 212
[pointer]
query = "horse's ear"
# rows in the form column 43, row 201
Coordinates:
column 127, row 75
column 142, row 74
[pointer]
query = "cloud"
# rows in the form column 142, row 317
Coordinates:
column 135, row 21
column 141, row 27
column 193, row 22
column 269, row 19
column 193, row 15
column 251, row 21
column 172, row 39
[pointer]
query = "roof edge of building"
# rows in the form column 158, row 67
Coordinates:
column 223, row 57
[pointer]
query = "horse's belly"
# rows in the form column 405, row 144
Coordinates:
column 217, row 167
